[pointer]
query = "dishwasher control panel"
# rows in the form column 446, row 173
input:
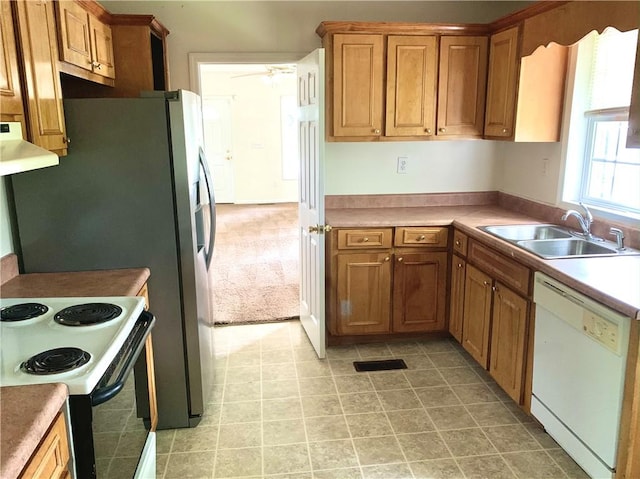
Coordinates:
column 602, row 330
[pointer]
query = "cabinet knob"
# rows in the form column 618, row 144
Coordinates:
column 494, row 289
column 400, row 259
column 459, row 265
column 504, row 130
column 421, row 238
column 458, row 242
column 387, row 258
column 427, row 130
column 442, row 130
column 486, row 283
column 376, row 131
column 66, row 140
column 365, row 240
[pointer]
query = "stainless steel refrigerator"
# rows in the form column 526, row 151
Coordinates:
column 135, row 191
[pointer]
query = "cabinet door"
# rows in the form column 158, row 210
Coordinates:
column 411, row 85
column 11, row 108
column 364, row 293
column 74, row 36
column 38, row 38
column 419, row 292
column 508, row 333
column 357, row 85
column 462, row 83
column 477, row 314
column 101, row 48
column 501, row 86
column 456, row 305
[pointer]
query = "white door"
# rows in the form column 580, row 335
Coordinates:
column 310, row 72
column 216, row 113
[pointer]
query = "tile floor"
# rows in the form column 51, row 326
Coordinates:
column 279, row 412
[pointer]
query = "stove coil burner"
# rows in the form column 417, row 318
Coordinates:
column 87, row 314
column 20, row 312
column 55, row 361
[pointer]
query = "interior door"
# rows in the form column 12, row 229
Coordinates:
column 311, row 124
column 218, row 145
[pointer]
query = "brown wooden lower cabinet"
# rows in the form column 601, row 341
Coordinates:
column 508, row 335
column 494, row 317
column 363, row 293
column 456, row 305
column 376, row 288
column 419, row 292
column 477, row 315
column 51, row 459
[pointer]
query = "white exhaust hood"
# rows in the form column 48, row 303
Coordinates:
column 18, row 155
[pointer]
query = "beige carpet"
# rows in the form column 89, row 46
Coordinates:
column 255, row 263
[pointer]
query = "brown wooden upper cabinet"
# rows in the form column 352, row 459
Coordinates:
column 11, row 107
column 36, row 37
column 357, row 85
column 85, row 41
column 462, row 83
column 412, row 64
column 525, row 96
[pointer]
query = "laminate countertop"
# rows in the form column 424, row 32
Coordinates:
column 612, row 281
column 27, row 413
column 113, row 282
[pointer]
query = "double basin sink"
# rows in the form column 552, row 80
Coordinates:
column 552, row 241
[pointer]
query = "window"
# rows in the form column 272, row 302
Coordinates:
column 611, row 175
column 608, row 173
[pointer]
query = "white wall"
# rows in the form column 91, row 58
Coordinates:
column 433, row 167
column 521, row 170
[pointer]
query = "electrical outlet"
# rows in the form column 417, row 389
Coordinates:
column 403, row 164
column 545, row 167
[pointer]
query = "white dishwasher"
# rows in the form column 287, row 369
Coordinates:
column 579, row 361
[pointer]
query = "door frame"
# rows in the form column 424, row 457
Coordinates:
column 197, row 59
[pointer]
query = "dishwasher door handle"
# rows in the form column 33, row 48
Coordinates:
column 563, row 293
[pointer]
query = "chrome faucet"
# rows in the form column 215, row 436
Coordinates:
column 585, row 221
column 617, row 232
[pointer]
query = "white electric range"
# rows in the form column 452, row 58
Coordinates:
column 93, row 345
column 20, row 340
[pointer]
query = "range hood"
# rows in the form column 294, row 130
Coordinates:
column 18, row 155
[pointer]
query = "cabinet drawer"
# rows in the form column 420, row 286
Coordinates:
column 460, row 243
column 423, row 237
column 500, row 267
column 364, row 239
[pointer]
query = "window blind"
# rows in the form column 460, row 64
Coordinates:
column 612, row 69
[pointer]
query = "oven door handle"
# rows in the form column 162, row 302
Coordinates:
column 105, row 393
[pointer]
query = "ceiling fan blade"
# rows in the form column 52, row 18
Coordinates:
column 252, row 74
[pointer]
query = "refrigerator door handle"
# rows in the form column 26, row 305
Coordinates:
column 212, row 206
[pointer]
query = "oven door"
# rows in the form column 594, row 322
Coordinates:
column 113, row 428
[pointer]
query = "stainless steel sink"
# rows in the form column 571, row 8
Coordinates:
column 527, row 232
column 552, row 241
column 566, row 248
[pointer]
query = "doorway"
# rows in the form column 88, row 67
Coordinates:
column 249, row 116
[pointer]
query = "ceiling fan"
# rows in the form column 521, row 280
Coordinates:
column 271, row 71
